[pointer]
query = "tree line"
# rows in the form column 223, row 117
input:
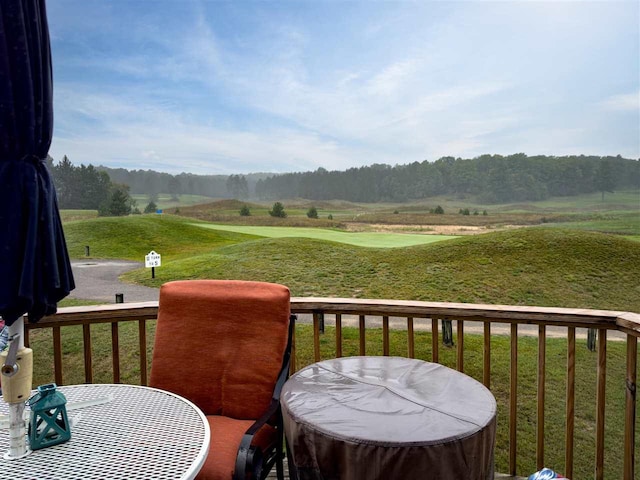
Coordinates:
column 489, row 178
column 86, row 188
column 150, row 182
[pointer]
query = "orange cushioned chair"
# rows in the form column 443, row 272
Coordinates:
column 225, row 345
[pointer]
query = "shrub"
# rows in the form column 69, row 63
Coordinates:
column 312, row 212
column 330, row 217
column 245, row 212
column 118, row 204
column 439, row 210
column 150, row 208
column 278, row 210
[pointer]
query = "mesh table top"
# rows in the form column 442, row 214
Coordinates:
column 138, row 433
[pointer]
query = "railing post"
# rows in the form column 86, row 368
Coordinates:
column 447, row 333
column 571, row 401
column 601, row 402
column 630, row 410
column 591, row 339
column 316, row 336
column 513, row 399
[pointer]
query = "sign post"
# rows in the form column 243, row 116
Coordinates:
column 152, row 260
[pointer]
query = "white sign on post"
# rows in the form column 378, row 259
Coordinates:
column 152, row 259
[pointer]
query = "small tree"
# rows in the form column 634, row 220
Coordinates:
column 330, row 217
column 244, row 211
column 150, row 208
column 439, row 210
column 312, row 212
column 278, row 210
column 119, row 203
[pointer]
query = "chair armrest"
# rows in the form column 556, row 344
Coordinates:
column 249, row 459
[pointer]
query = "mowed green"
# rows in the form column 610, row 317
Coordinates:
column 359, row 239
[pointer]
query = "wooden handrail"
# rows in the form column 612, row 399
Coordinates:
column 626, row 322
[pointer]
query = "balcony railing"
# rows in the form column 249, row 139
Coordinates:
column 487, row 321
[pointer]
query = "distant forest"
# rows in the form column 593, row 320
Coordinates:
column 150, row 182
column 488, row 179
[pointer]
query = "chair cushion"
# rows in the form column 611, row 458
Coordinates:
column 220, row 343
column 226, row 434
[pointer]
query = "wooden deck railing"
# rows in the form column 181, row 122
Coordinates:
column 428, row 314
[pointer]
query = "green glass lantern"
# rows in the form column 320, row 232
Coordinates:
column 49, row 423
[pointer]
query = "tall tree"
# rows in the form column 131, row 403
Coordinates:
column 81, row 187
column 237, row 186
column 119, row 202
column 604, row 178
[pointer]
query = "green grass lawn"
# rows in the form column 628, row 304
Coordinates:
column 534, row 266
column 542, row 266
column 132, row 237
column 359, row 239
column 75, row 215
column 625, row 223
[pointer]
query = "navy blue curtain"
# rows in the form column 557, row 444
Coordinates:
column 35, row 272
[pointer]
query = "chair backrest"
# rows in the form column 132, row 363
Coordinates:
column 220, row 343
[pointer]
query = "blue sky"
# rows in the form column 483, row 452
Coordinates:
column 212, row 87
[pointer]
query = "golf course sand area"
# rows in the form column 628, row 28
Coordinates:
column 425, row 229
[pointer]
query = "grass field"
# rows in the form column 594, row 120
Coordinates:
column 542, row 266
column 532, row 266
column 132, row 237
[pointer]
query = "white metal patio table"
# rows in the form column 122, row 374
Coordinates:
column 132, row 432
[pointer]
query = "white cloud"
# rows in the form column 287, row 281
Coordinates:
column 622, row 102
column 391, row 79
